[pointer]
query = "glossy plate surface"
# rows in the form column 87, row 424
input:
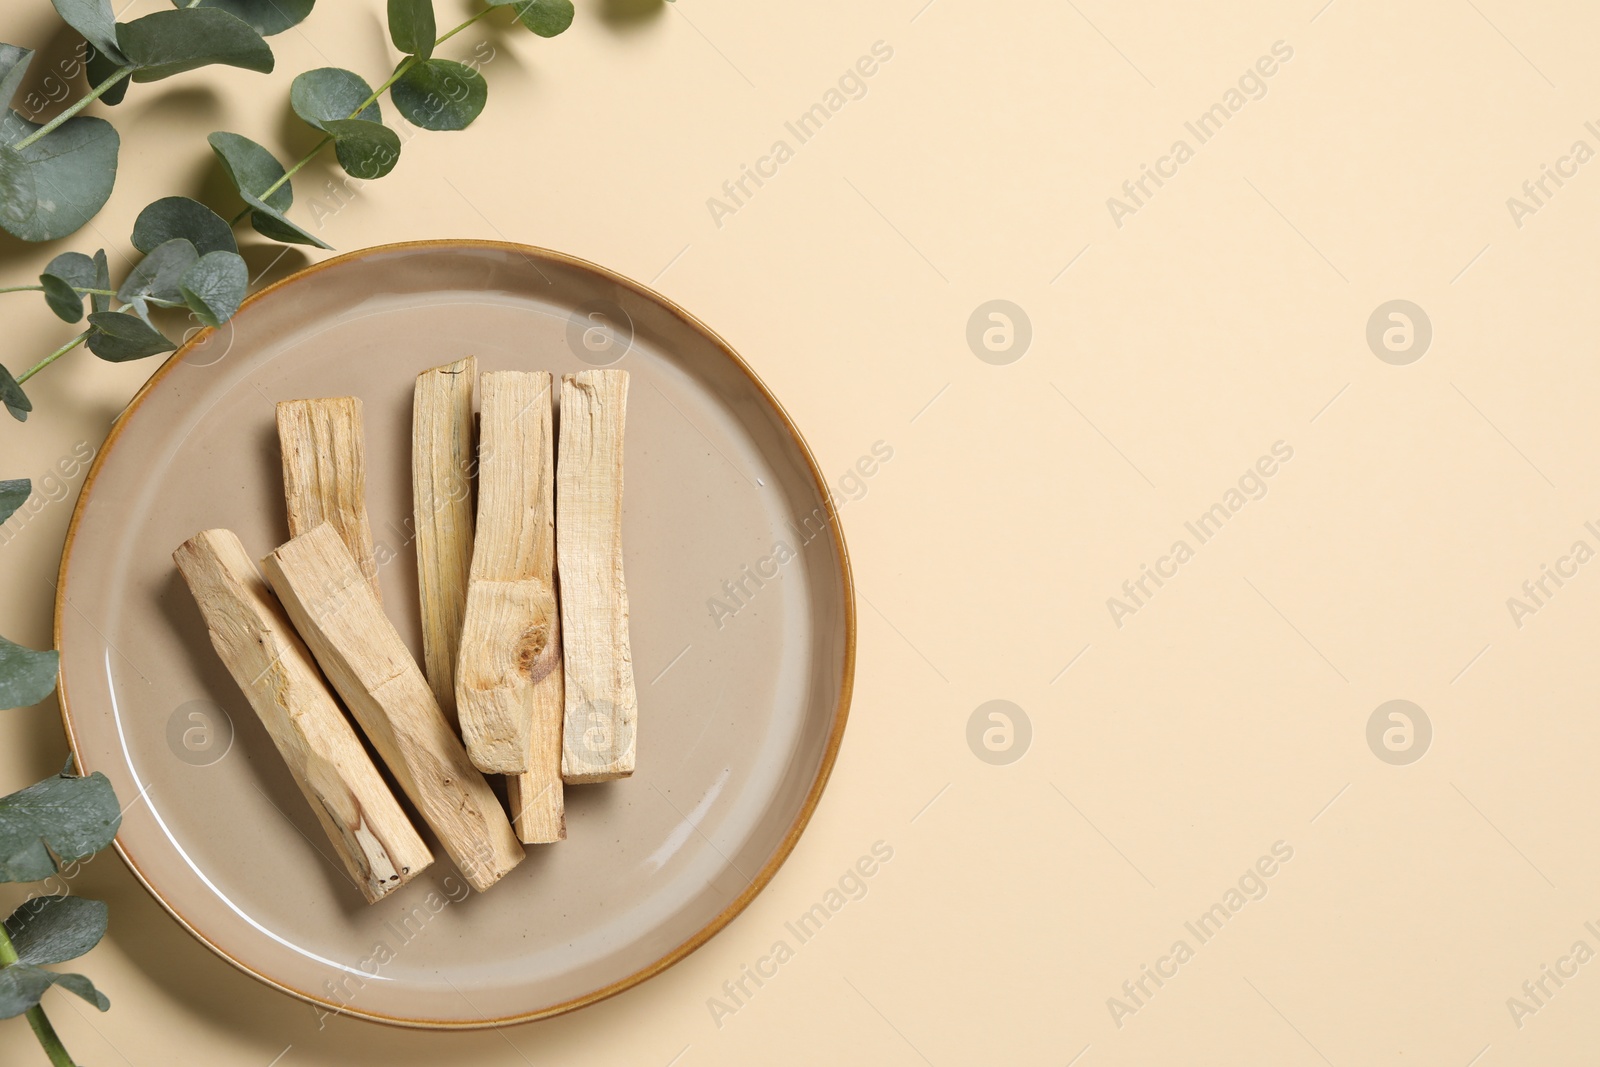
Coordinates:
column 741, row 711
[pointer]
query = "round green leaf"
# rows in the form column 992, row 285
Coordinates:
column 547, row 18
column 215, row 287
column 14, row 493
column 179, row 216
column 328, row 99
column 252, row 169
column 329, row 94
column 63, row 279
column 102, row 280
column 14, row 62
column 55, row 929
column 440, row 94
column 26, row 676
column 101, row 66
column 266, row 17
column 117, row 337
column 157, row 277
column 22, row 985
column 412, row 27
column 94, row 19
column 170, row 42
column 15, row 400
column 55, row 185
column 62, row 817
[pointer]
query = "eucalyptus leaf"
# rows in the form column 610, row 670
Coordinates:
column 328, row 99
column 266, row 17
column 14, row 61
column 547, row 18
column 269, row 222
column 98, row 68
column 22, row 985
column 102, row 281
column 171, row 42
column 215, row 287
column 412, row 27
column 179, row 216
column 63, row 299
column 155, row 280
column 14, row 493
column 440, row 94
column 62, row 279
column 94, row 19
column 117, row 337
column 330, row 93
column 55, row 185
column 61, row 818
column 26, row 676
column 15, row 400
column 252, row 169
column 55, row 929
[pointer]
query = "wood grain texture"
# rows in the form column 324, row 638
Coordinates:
column 325, row 473
column 363, row 656
column 508, row 681
column 371, row 834
column 442, row 464
column 602, row 706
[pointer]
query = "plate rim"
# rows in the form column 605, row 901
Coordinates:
column 841, row 712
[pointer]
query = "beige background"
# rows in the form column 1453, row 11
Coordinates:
column 1227, row 314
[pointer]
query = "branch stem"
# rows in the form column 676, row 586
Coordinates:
column 94, row 94
column 36, row 1016
column 52, row 357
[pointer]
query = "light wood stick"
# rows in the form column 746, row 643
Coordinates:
column 379, row 847
column 602, row 707
column 325, row 473
column 508, row 682
column 361, row 653
column 441, row 487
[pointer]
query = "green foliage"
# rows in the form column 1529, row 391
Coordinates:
column 266, row 17
column 341, row 104
column 165, row 43
column 14, row 493
column 62, row 818
column 55, row 929
column 26, row 676
column 412, row 27
column 439, row 94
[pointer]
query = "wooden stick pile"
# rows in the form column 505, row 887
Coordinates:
column 527, row 670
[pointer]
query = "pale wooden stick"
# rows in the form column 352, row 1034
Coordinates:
column 508, row 683
column 602, row 707
column 441, row 486
column 325, row 473
column 369, row 831
column 362, row 655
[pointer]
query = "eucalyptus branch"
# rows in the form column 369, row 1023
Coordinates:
column 52, row 357
column 36, row 1016
column 399, row 72
column 94, row 94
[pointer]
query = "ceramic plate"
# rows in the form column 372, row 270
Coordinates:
column 741, row 708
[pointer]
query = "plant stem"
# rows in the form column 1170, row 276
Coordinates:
column 24, row 289
column 94, row 94
column 399, row 72
column 36, row 1016
column 52, row 357
column 81, row 291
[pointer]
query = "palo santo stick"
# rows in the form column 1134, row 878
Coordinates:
column 602, row 707
column 508, row 682
column 441, row 465
column 361, row 653
column 325, row 473
column 377, row 843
